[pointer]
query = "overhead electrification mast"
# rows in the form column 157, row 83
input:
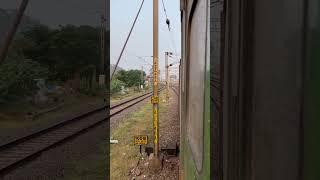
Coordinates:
column 155, row 98
column 167, row 74
column 103, row 49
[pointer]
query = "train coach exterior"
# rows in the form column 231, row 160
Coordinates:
column 269, row 73
column 195, row 92
column 265, row 85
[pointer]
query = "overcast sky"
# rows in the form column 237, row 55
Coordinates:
column 140, row 44
column 55, row 12
column 85, row 12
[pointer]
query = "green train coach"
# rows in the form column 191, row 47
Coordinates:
column 249, row 90
column 195, row 91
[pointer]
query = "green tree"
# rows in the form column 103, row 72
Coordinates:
column 134, row 78
column 61, row 53
column 116, row 85
column 122, row 75
column 131, row 77
column 64, row 51
column 17, row 77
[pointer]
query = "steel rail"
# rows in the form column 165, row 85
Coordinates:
column 22, row 157
column 174, row 90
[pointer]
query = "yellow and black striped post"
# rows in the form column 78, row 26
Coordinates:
column 155, row 99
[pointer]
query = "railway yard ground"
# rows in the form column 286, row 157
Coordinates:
column 74, row 160
column 169, row 135
column 131, row 93
column 85, row 155
column 82, row 157
column 125, row 160
column 15, row 123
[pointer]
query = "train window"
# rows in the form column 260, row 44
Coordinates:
column 196, row 81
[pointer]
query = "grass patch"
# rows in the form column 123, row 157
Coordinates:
column 124, row 156
column 117, row 97
column 13, row 116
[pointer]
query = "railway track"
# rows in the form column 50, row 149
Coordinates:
column 175, row 89
column 26, row 148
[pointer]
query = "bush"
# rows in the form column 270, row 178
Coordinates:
column 17, row 77
column 116, row 85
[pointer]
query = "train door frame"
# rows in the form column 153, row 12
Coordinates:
column 236, row 69
column 217, row 33
column 243, row 160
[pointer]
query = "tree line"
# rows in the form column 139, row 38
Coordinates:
column 130, row 78
column 57, row 55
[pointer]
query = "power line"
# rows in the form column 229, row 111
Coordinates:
column 173, row 42
column 165, row 12
column 140, row 57
column 168, row 23
column 9, row 37
column 124, row 46
column 144, row 60
column 164, row 8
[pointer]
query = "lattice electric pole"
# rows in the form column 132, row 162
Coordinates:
column 142, row 79
column 167, row 74
column 102, row 50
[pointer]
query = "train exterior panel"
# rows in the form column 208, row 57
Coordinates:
column 266, row 76
column 195, row 90
column 264, row 101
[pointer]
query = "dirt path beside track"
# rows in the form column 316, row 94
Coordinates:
column 169, row 132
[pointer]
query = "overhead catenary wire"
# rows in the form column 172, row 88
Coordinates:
column 173, row 42
column 124, row 46
column 144, row 60
column 140, row 57
column 169, row 28
column 165, row 12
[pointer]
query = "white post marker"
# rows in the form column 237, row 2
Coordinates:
column 113, row 141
